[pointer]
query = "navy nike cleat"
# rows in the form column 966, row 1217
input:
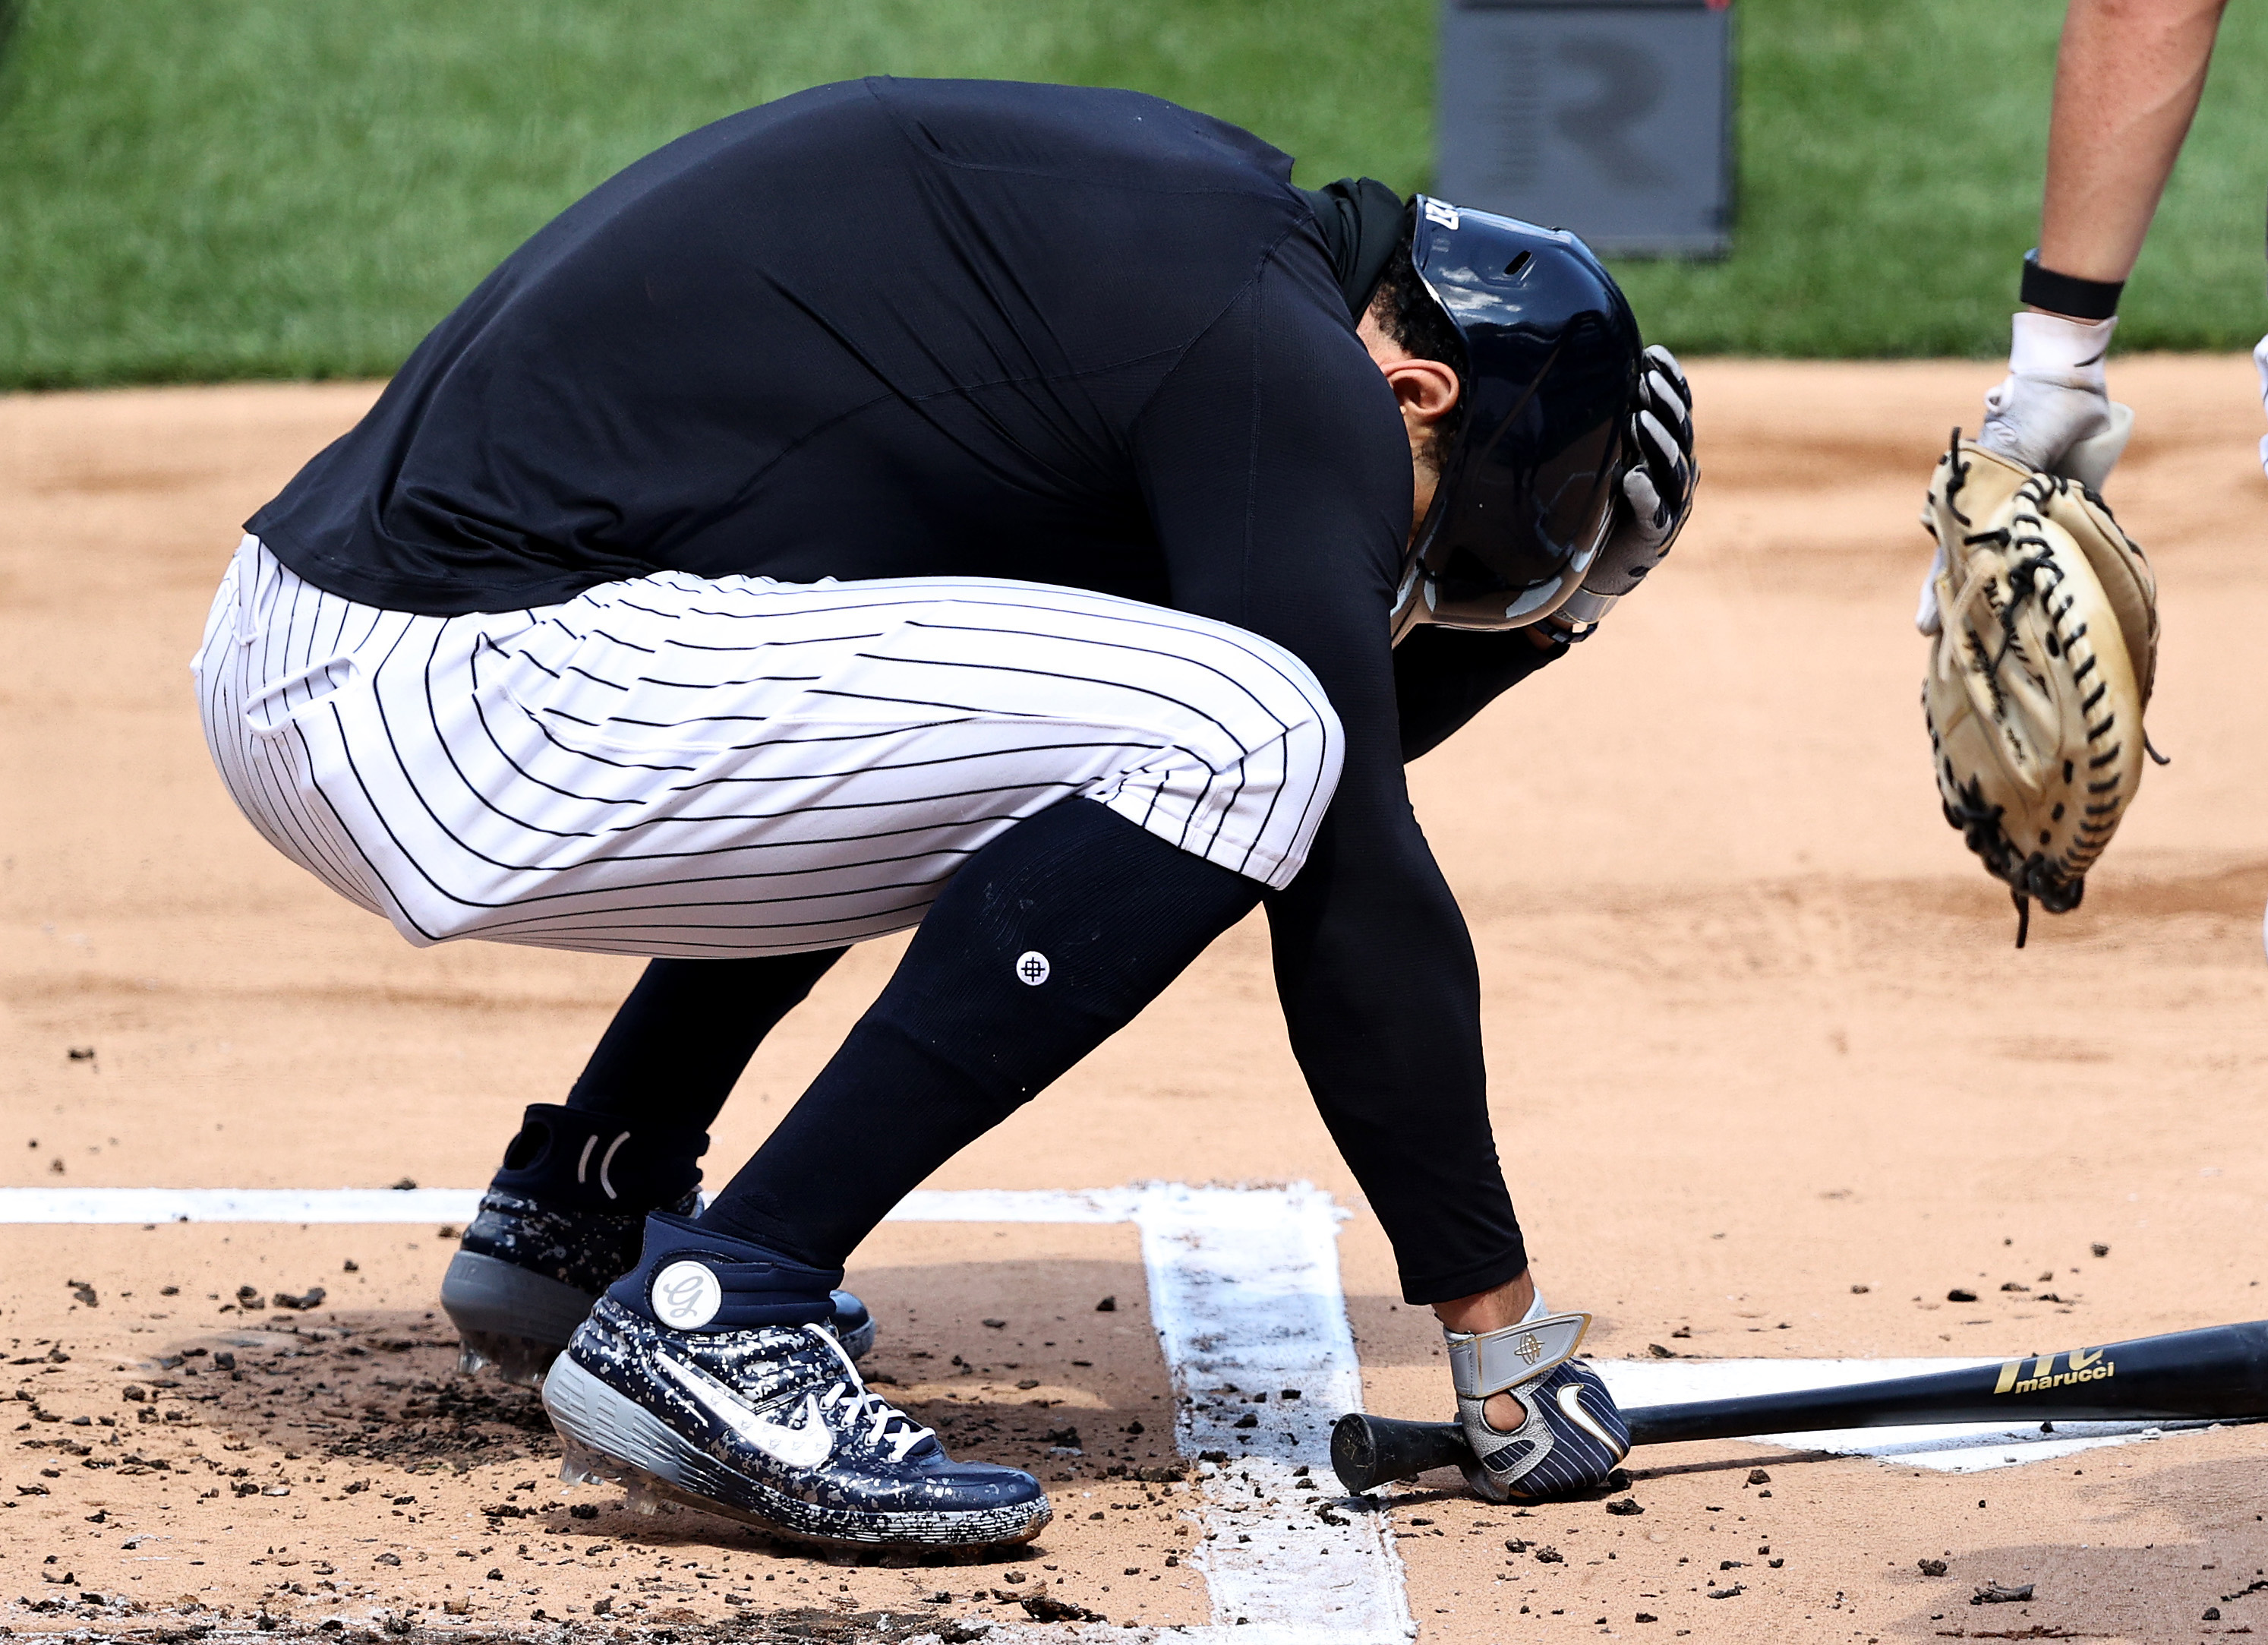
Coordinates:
column 1572, row 1435
column 693, row 1381
column 562, row 1221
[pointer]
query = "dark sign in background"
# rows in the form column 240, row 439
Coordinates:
column 1612, row 118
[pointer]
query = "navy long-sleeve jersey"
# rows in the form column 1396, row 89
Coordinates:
column 904, row 328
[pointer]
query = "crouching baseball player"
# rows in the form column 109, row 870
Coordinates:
column 988, row 508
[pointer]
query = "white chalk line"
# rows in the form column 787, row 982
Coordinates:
column 1246, row 1300
column 1244, row 1290
column 238, row 1205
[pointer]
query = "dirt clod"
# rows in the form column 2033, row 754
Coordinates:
column 1043, row 1606
column 2000, row 1594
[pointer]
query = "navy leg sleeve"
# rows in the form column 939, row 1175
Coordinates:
column 1050, row 940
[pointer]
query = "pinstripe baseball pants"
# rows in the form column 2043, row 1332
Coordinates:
column 674, row 765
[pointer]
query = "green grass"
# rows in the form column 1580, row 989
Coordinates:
column 1891, row 160
column 201, row 189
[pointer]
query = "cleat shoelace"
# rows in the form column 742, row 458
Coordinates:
column 851, row 1400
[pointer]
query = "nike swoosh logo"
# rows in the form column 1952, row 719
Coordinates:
column 1571, row 1402
column 806, row 1447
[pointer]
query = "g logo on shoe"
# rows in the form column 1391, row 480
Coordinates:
column 686, row 1295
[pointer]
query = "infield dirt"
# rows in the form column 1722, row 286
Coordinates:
column 1769, row 1078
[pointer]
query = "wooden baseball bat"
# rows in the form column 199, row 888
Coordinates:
column 2221, row 1371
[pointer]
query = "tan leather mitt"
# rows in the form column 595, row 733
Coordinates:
column 2038, row 673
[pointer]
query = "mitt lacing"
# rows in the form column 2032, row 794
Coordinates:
column 2027, row 876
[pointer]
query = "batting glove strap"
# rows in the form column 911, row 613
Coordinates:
column 1571, row 1439
column 1491, row 1362
column 2069, row 352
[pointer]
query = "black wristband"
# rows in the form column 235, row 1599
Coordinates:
column 2067, row 294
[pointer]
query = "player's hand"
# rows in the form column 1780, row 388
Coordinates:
column 2260, row 365
column 1656, row 496
column 2053, row 427
column 2052, row 413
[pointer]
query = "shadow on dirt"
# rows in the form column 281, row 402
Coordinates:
column 372, row 1402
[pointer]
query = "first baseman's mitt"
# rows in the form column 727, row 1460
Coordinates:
column 2038, row 674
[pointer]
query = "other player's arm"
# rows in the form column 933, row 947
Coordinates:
column 2128, row 77
column 2128, row 74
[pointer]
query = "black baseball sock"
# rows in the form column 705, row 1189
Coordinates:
column 680, row 1042
column 1046, row 944
column 568, row 1161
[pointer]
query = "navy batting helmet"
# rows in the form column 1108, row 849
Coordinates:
column 1526, row 491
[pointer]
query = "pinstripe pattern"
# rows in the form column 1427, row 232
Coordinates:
column 674, row 765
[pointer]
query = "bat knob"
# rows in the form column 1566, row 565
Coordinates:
column 1369, row 1451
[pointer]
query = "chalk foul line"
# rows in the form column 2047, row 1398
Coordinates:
column 1246, row 1300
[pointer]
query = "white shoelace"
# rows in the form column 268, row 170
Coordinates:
column 859, row 1402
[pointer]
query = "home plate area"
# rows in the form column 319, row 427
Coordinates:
column 240, row 1412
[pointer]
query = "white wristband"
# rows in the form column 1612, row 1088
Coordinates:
column 2068, row 352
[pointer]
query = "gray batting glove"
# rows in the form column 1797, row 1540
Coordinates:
column 2052, row 413
column 1657, row 494
column 2052, row 427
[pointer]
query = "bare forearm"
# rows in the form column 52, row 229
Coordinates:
column 2128, row 75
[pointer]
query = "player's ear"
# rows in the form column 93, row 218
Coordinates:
column 1425, row 389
